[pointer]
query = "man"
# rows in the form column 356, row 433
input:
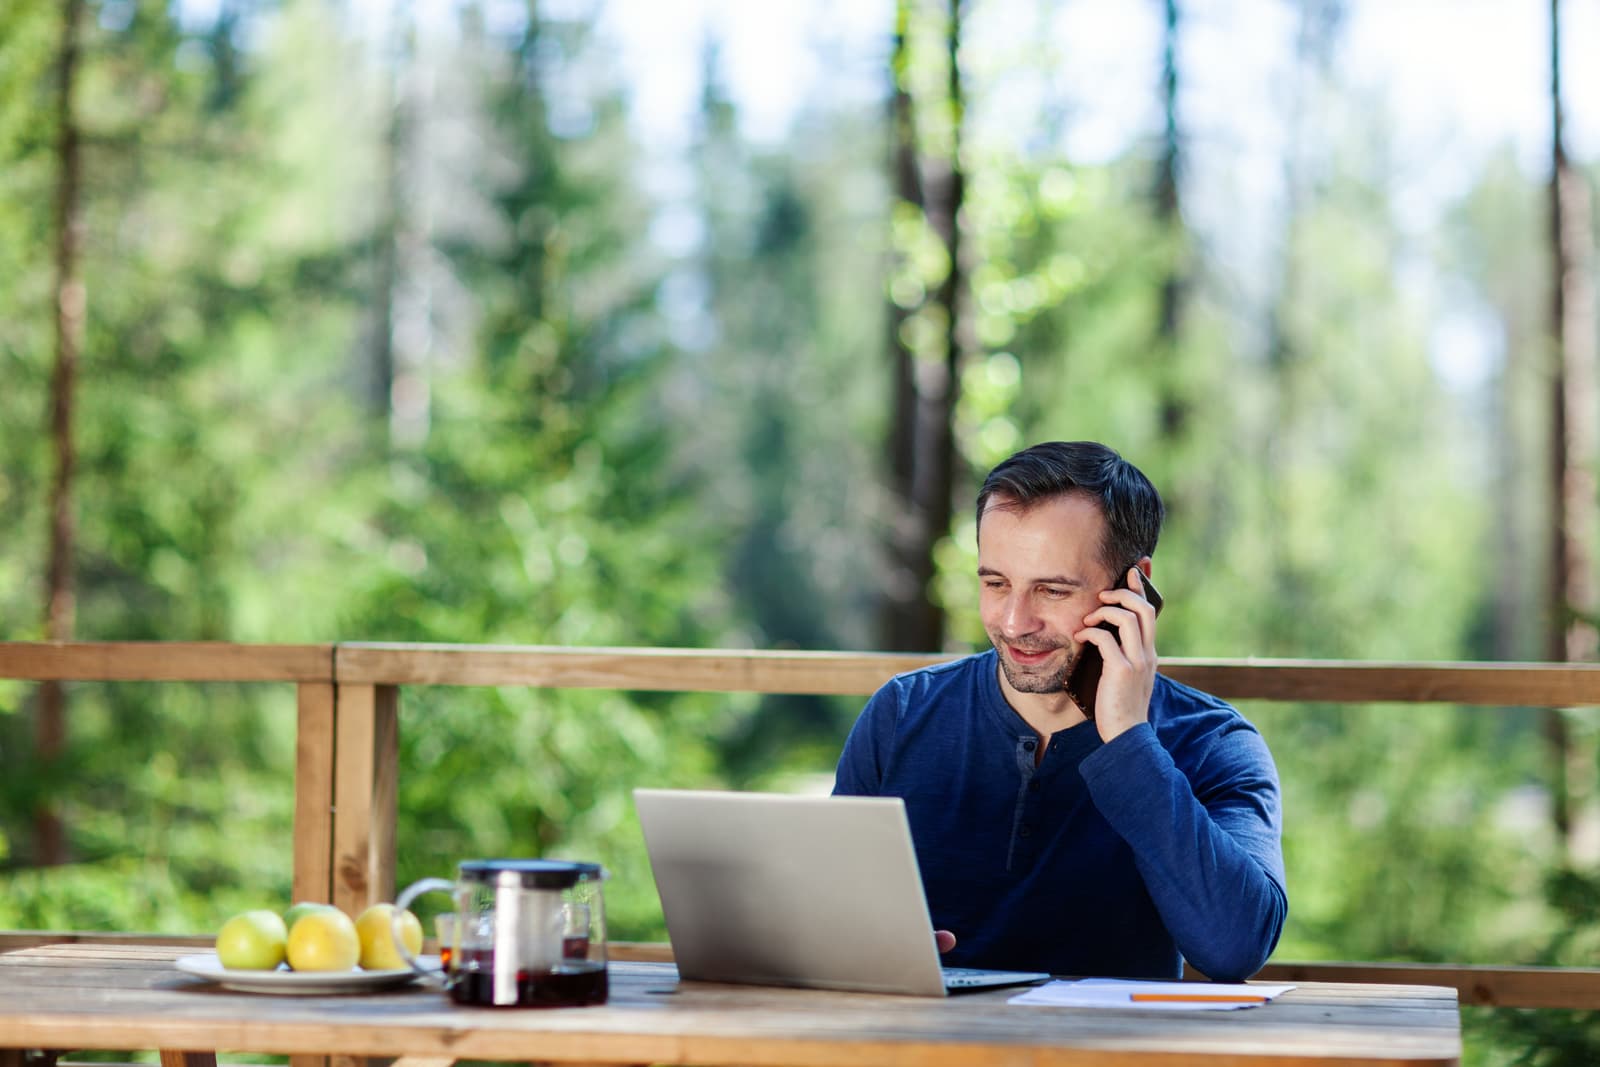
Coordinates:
column 1120, row 844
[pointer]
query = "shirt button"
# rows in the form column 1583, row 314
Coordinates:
column 1027, row 831
column 1033, row 787
column 1028, row 746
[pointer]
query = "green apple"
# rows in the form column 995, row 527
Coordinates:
column 301, row 907
column 252, row 941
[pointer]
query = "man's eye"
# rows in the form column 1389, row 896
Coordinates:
column 1056, row 594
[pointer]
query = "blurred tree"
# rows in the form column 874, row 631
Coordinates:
column 29, row 36
column 539, row 502
column 397, row 73
column 1289, row 377
column 1574, row 397
column 1494, row 243
column 773, row 303
column 1175, row 407
column 193, row 398
column 70, row 298
column 1560, row 1039
column 927, row 310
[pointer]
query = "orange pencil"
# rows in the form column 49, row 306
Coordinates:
column 1198, row 998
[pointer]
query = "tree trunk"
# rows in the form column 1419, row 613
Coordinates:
column 386, row 268
column 392, row 358
column 1572, row 634
column 906, row 183
column 922, row 439
column 50, row 844
column 1169, row 218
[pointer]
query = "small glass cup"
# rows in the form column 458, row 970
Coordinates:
column 574, row 930
column 444, row 929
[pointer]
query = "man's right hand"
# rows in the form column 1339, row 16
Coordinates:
column 944, row 939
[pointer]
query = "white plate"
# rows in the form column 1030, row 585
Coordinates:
column 305, row 983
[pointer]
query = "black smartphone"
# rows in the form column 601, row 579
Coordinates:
column 1084, row 681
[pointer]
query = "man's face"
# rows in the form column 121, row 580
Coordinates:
column 1040, row 573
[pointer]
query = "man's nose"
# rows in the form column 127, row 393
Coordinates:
column 1019, row 619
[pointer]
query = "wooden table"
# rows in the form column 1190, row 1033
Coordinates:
column 107, row 996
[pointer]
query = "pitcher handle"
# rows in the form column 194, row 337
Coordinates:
column 412, row 892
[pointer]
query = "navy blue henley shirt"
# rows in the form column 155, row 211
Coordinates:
column 1118, row 859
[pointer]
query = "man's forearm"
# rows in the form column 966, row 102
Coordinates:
column 1207, row 870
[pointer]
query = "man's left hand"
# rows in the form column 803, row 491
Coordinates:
column 1129, row 674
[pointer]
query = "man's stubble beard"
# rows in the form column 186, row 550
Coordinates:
column 1025, row 682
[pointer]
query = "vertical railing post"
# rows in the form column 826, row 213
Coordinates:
column 366, row 785
column 313, row 792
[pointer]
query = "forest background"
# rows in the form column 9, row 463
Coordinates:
column 324, row 320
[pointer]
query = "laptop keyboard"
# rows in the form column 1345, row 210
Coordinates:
column 967, row 977
column 960, row 976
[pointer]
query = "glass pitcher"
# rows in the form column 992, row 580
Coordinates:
column 525, row 933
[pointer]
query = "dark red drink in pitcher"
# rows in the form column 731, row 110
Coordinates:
column 573, row 983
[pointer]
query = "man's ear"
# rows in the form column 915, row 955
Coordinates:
column 1144, row 565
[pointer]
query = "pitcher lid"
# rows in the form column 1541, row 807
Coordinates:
column 533, row 874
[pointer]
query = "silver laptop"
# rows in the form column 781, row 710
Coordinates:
column 773, row 889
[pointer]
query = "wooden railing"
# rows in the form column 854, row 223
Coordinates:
column 346, row 765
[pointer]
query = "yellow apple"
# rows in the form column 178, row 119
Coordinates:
column 252, row 941
column 324, row 939
column 376, row 929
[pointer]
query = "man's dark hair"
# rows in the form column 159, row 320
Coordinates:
column 1131, row 505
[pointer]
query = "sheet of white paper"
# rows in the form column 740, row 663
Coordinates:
column 1166, row 996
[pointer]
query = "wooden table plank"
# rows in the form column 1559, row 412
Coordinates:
column 132, row 997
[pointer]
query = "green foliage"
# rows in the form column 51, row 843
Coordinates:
column 599, row 431
column 28, row 30
column 181, row 803
column 1510, row 1037
column 775, row 317
column 1388, row 805
column 234, row 487
column 1545, row 1038
column 1326, row 499
column 542, row 509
